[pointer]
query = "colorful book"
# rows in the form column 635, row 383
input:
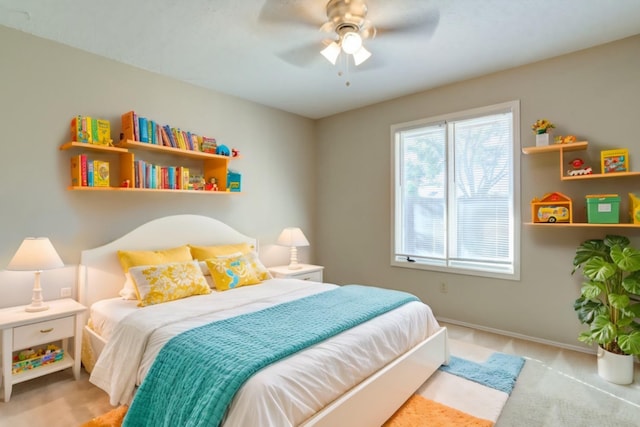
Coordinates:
column 184, row 185
column 166, row 141
column 77, row 131
column 94, row 130
column 76, row 171
column 136, row 128
column 169, row 131
column 83, row 170
column 209, row 145
column 144, row 129
column 103, row 132
column 100, row 173
column 127, row 126
column 90, row 181
column 151, row 130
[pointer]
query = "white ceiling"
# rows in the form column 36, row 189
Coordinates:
column 267, row 51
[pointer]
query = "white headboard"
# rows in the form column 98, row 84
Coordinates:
column 100, row 273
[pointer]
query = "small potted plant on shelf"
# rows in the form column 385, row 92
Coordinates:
column 612, row 268
column 542, row 129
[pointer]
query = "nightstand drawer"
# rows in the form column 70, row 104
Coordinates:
column 314, row 276
column 43, row 332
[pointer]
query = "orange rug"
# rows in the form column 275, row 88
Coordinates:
column 421, row 412
column 112, row 418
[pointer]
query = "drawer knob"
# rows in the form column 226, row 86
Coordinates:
column 46, row 331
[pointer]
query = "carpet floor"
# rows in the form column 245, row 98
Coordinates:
column 471, row 391
column 556, row 388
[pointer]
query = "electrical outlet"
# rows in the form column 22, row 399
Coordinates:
column 443, row 287
column 65, row 292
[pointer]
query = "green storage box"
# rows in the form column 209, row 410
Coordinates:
column 603, row 209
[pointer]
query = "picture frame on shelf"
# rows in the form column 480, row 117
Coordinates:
column 614, row 161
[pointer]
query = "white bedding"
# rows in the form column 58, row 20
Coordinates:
column 285, row 393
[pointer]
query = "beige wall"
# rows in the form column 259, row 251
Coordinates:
column 44, row 84
column 594, row 94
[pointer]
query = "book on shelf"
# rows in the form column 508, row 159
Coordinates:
column 78, row 130
column 136, row 128
column 100, row 173
column 184, row 173
column 166, row 140
column 128, row 132
column 79, row 170
column 167, row 133
column 209, row 145
column 151, row 130
column 144, row 129
column 103, row 130
column 89, row 173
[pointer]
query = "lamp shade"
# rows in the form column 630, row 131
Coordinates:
column 35, row 253
column 331, row 52
column 292, row 236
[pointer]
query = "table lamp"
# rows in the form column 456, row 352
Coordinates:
column 37, row 254
column 293, row 237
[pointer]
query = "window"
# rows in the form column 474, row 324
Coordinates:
column 456, row 192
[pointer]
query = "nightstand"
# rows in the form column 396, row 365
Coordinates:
column 22, row 330
column 307, row 272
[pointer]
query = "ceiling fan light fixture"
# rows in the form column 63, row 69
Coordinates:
column 361, row 55
column 331, row 52
column 351, row 42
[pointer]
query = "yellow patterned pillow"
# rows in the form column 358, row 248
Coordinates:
column 261, row 271
column 206, row 252
column 230, row 272
column 156, row 284
column 130, row 259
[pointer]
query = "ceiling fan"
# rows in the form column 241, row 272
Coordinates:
column 349, row 22
column 347, row 18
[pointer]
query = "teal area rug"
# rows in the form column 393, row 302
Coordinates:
column 498, row 372
column 471, row 391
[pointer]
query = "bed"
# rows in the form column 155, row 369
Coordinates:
column 394, row 352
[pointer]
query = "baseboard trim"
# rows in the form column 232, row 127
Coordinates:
column 516, row 335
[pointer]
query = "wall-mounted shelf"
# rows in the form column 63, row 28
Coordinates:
column 213, row 165
column 95, row 147
column 575, row 146
column 581, row 224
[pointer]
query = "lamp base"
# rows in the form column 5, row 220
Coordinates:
column 33, row 308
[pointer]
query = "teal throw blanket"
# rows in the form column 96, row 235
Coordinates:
column 197, row 373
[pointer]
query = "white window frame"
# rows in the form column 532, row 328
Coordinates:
column 513, row 273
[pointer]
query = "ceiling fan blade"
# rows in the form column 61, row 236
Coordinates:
column 425, row 25
column 292, row 12
column 368, row 31
column 303, row 55
column 327, row 27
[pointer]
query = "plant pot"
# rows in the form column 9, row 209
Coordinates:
column 542, row 139
column 615, row 368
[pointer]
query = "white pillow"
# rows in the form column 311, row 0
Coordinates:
column 128, row 291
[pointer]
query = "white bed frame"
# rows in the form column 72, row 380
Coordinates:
column 370, row 403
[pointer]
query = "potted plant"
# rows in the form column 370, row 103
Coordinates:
column 612, row 268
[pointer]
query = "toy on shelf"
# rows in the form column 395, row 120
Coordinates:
column 552, row 207
column 223, row 150
column 579, row 168
column 235, row 152
column 634, row 208
column 564, row 139
column 613, row 161
column 212, row 185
